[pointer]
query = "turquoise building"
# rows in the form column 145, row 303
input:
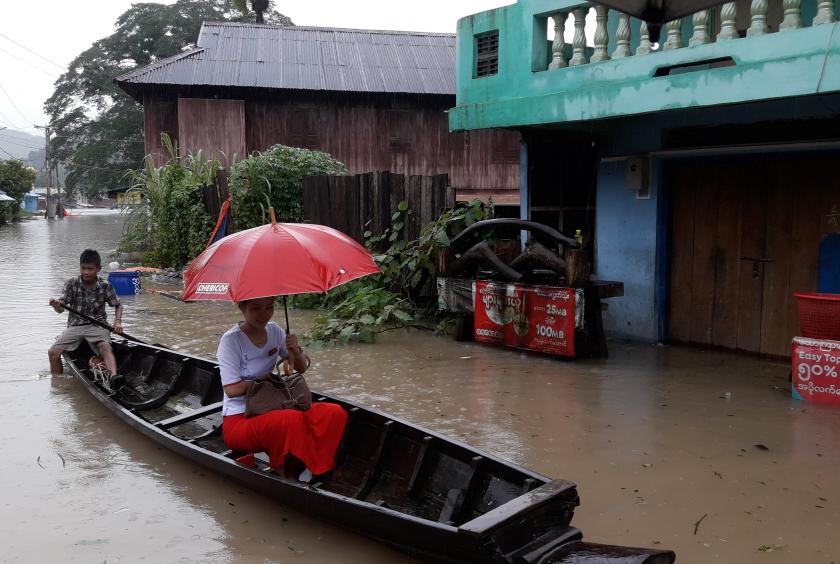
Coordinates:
column 700, row 165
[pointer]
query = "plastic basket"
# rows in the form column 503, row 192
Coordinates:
column 819, row 315
column 125, row 283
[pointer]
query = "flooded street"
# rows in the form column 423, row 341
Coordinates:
column 701, row 452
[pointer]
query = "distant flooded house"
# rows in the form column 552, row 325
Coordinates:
column 375, row 100
column 701, row 167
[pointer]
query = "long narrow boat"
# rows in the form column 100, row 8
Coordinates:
column 407, row 486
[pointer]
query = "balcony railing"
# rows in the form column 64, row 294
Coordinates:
column 601, row 63
column 673, row 33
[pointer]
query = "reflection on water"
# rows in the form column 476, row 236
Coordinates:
column 78, row 484
column 650, row 435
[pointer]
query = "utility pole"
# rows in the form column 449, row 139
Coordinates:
column 57, row 189
column 47, row 165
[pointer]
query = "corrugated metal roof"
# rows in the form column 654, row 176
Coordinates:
column 308, row 58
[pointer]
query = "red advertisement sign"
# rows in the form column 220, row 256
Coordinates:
column 500, row 316
column 551, row 313
column 816, row 365
column 535, row 318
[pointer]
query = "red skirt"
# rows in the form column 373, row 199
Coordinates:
column 312, row 436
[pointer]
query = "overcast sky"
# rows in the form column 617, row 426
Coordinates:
column 50, row 34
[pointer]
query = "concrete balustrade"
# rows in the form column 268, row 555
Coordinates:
column 613, row 28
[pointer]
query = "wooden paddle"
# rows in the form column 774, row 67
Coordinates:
column 102, row 324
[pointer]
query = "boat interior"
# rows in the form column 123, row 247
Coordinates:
column 381, row 461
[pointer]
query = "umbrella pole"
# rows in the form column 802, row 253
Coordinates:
column 286, row 310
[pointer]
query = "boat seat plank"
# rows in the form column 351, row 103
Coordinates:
column 454, row 499
column 471, row 489
column 452, row 508
column 191, row 416
column 527, row 485
column 418, row 464
column 376, row 462
column 520, row 506
column 216, row 430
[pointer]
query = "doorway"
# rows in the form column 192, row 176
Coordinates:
column 745, row 235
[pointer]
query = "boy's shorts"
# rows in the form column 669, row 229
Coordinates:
column 73, row 336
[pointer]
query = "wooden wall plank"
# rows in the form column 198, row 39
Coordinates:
column 160, row 115
column 753, row 219
column 427, row 200
column 682, row 256
column 703, row 264
column 403, row 135
column 727, row 257
column 382, row 201
column 353, row 204
column 413, row 194
column 778, row 302
column 398, row 194
column 806, row 231
column 366, row 203
column 352, row 192
column 214, row 127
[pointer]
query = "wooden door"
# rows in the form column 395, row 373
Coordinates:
column 745, row 235
column 716, row 297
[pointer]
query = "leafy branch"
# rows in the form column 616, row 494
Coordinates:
column 399, row 296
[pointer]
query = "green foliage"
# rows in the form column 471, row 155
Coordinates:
column 274, row 178
column 16, row 179
column 392, row 299
column 362, row 309
column 258, row 6
column 171, row 225
column 98, row 127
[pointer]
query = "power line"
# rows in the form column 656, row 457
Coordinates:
column 25, row 62
column 14, row 157
column 17, row 142
column 9, row 122
column 15, row 106
column 25, row 48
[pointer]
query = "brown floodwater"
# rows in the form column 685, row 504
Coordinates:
column 660, row 440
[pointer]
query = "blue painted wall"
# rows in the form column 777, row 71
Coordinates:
column 626, row 240
column 30, row 203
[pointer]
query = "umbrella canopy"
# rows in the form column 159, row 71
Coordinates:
column 657, row 12
column 278, row 259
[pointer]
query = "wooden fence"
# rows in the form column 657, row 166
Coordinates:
column 355, row 204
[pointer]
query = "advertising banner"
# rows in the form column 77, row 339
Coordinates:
column 816, row 364
column 536, row 318
column 500, row 313
column 551, row 316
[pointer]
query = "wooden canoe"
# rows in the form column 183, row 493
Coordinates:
column 399, row 483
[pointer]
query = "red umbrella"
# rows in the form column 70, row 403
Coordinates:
column 277, row 259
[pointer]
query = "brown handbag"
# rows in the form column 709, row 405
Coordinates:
column 272, row 392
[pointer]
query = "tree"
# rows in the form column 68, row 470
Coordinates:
column 259, row 6
column 98, row 128
column 16, row 179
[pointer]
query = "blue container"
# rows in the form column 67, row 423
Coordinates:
column 125, row 283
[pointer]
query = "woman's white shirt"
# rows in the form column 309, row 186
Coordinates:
column 240, row 359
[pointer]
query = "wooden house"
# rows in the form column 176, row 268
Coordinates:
column 375, row 100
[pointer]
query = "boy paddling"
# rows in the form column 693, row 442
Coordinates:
column 88, row 294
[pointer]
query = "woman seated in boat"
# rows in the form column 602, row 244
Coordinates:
column 249, row 350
